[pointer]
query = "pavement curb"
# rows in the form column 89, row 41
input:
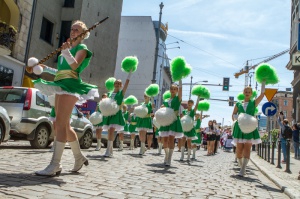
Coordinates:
column 291, row 192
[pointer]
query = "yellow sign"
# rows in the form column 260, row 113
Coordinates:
column 270, row 92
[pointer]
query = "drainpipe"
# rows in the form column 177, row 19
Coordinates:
column 29, row 37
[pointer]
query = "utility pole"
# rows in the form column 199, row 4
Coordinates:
column 161, row 5
column 191, row 87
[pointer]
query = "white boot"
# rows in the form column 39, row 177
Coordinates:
column 194, row 153
column 121, row 146
column 159, row 148
column 243, row 168
column 80, row 159
column 108, row 152
column 240, row 161
column 142, row 149
column 169, row 157
column 53, row 145
column 54, row 168
column 131, row 144
column 182, row 153
column 166, row 155
column 98, row 147
column 189, row 154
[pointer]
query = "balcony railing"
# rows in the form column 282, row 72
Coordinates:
column 7, row 38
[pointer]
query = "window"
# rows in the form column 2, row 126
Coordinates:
column 6, row 76
column 40, row 99
column 47, row 103
column 47, row 30
column 69, row 3
column 285, row 113
column 285, row 102
column 74, row 111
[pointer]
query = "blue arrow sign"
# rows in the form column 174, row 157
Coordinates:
column 269, row 109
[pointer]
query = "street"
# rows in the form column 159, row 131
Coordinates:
column 128, row 175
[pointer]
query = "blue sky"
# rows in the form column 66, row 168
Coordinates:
column 225, row 33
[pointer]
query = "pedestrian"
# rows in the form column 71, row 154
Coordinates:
column 244, row 141
column 132, row 129
column 218, row 136
column 189, row 135
column 69, row 88
column 296, row 140
column 98, row 127
column 283, row 122
column 196, row 143
column 174, row 130
column 125, row 130
column 211, row 137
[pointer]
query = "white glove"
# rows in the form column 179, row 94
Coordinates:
column 129, row 75
column 263, row 87
column 68, row 56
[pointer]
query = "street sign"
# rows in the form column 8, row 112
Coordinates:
column 296, row 59
column 270, row 92
column 269, row 109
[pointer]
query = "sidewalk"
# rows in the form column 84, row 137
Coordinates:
column 287, row 182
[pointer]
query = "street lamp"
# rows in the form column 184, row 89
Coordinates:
column 173, row 47
column 192, row 84
column 173, row 43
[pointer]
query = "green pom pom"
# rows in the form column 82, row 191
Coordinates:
column 129, row 63
column 167, row 95
column 109, row 83
column 187, row 71
column 178, row 68
column 152, row 90
column 130, row 100
column 256, row 111
column 266, row 72
column 201, row 91
column 241, row 96
column 203, row 105
column 254, row 94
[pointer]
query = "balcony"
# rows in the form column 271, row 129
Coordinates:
column 7, row 38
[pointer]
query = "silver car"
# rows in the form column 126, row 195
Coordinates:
column 4, row 125
column 29, row 110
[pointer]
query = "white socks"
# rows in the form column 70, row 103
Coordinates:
column 189, row 154
column 182, row 153
column 121, row 146
column 166, row 155
column 109, row 152
column 159, row 148
column 194, row 153
column 142, row 149
column 169, row 157
column 243, row 167
column 98, row 147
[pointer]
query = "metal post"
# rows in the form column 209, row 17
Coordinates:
column 287, row 169
column 258, row 151
column 265, row 156
column 157, row 42
column 279, row 155
column 273, row 152
column 269, row 152
column 191, row 87
column 261, row 149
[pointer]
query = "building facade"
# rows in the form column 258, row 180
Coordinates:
column 138, row 38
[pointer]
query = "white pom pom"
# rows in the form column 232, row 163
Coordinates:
column 87, row 35
column 37, row 70
column 187, row 123
column 155, row 123
column 165, row 116
column 32, row 61
column 51, row 100
column 247, row 123
column 96, row 118
column 108, row 107
column 141, row 111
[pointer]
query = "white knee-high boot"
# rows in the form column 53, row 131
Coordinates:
column 170, row 157
column 98, row 147
column 131, row 144
column 121, row 146
column 166, row 155
column 108, row 152
column 159, row 148
column 182, row 153
column 243, row 167
column 194, row 153
column 240, row 161
column 54, row 168
column 189, row 154
column 53, row 145
column 80, row 159
column 142, row 149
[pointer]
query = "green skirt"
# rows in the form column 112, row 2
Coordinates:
column 132, row 129
column 114, row 121
column 191, row 134
column 144, row 124
column 240, row 137
column 174, row 129
column 198, row 140
column 100, row 125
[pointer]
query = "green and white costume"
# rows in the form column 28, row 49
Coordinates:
column 192, row 133
column 52, row 116
column 238, row 135
column 157, row 133
column 100, row 125
column 198, row 133
column 115, row 121
column 126, row 127
column 68, row 81
column 133, row 123
column 174, row 129
column 145, row 124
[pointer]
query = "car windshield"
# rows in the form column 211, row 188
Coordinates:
column 12, row 95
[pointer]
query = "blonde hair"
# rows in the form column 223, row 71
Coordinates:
column 248, row 87
column 83, row 26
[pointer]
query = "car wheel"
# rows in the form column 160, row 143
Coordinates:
column 116, row 143
column 1, row 132
column 86, row 140
column 41, row 138
column 137, row 141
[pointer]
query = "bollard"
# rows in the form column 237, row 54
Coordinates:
column 258, row 151
column 279, row 155
column 273, row 152
column 265, row 151
column 288, row 145
column 269, row 150
column 262, row 150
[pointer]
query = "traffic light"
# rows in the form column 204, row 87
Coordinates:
column 231, row 101
column 225, row 83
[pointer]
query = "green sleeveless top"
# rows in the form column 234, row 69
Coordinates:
column 198, row 124
column 190, row 113
column 118, row 97
column 125, row 115
column 149, row 107
column 173, row 103
column 250, row 107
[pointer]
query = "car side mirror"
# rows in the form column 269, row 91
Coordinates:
column 80, row 114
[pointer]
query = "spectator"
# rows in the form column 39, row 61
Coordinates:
column 282, row 121
column 296, row 141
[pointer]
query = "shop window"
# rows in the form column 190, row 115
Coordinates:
column 6, row 76
column 47, row 30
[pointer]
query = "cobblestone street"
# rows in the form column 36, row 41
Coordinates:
column 127, row 175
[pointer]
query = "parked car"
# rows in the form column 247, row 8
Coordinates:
column 4, row 125
column 29, row 110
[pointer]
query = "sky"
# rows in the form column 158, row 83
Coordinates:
column 218, row 37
